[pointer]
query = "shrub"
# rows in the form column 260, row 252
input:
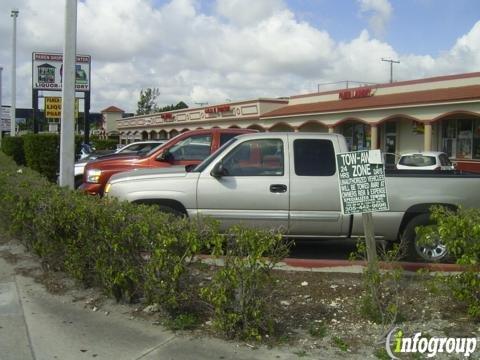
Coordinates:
column 13, row 147
column 105, row 144
column 42, row 154
column 169, row 280
column 380, row 301
column 459, row 231
column 134, row 250
column 240, row 291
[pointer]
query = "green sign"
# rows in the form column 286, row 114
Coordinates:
column 362, row 182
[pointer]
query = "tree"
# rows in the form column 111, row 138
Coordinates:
column 148, row 101
column 180, row 105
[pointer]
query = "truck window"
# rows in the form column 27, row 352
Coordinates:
column 224, row 137
column 314, row 157
column 196, row 147
column 256, row 158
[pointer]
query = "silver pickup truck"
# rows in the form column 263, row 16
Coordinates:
column 290, row 181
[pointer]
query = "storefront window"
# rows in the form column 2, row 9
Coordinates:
column 464, row 139
column 461, row 138
column 357, row 136
column 476, row 139
column 390, row 143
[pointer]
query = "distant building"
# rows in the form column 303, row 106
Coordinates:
column 110, row 116
column 438, row 113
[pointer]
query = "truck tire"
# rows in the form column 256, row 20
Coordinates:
column 434, row 253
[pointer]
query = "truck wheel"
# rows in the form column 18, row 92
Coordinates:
column 429, row 253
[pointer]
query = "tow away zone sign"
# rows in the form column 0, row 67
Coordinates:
column 362, row 182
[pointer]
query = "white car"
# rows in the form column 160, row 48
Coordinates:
column 135, row 148
column 427, row 160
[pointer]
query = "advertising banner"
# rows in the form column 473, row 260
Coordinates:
column 47, row 72
column 5, row 118
column 53, row 108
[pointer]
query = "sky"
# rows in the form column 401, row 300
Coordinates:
column 217, row 51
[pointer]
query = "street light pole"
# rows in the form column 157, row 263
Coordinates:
column 13, row 108
column 67, row 135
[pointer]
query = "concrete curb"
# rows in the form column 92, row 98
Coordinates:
column 356, row 266
column 408, row 266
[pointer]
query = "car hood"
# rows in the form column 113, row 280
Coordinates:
column 112, row 159
column 173, row 171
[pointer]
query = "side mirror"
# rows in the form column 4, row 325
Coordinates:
column 218, row 171
column 190, row 167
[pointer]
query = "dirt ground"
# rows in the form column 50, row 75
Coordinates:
column 312, row 310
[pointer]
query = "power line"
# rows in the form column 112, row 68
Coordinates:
column 391, row 67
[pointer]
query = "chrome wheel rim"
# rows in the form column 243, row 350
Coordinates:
column 435, row 252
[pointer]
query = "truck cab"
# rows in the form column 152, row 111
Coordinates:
column 188, row 148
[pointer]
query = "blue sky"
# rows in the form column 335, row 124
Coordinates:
column 212, row 50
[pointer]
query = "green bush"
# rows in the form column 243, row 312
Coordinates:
column 380, row 301
column 459, row 231
column 42, row 154
column 241, row 290
column 134, row 251
column 169, row 279
column 13, row 147
column 104, row 144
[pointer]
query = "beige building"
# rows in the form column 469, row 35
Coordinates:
column 440, row 113
column 110, row 117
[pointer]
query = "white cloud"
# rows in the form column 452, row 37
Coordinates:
column 379, row 12
column 197, row 57
column 243, row 13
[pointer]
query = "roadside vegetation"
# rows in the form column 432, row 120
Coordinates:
column 136, row 253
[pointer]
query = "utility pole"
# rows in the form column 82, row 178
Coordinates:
column 67, row 131
column 13, row 107
column 391, row 67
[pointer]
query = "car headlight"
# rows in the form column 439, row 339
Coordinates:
column 93, row 175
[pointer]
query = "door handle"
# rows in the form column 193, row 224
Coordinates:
column 278, row 188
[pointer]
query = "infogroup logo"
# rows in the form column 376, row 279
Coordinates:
column 397, row 344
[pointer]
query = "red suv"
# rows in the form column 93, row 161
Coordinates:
column 188, row 148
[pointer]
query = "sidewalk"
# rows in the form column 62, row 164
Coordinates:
column 36, row 325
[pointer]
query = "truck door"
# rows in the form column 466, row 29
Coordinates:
column 254, row 186
column 315, row 208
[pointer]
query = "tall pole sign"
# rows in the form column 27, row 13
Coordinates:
column 48, row 75
column 362, row 189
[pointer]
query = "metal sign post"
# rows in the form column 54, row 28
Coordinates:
column 362, row 189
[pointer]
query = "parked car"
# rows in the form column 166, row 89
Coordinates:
column 85, row 151
column 188, row 148
column 427, row 160
column 290, row 181
column 138, row 147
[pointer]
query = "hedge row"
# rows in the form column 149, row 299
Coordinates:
column 134, row 251
column 39, row 152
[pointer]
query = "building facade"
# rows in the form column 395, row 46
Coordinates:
column 440, row 113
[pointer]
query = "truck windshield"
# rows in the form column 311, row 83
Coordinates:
column 200, row 167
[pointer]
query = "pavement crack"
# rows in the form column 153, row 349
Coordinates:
column 156, row 347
